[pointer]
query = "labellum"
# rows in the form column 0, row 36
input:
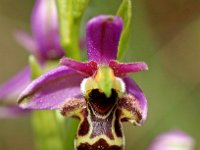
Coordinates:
column 101, row 115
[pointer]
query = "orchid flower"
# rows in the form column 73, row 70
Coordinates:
column 43, row 44
column 98, row 91
column 173, row 140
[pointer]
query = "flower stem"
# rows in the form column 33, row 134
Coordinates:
column 46, row 130
column 48, row 127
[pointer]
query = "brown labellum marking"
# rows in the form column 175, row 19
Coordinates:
column 101, row 144
column 100, row 103
column 117, row 124
column 84, row 125
column 100, row 120
column 102, row 111
column 101, row 126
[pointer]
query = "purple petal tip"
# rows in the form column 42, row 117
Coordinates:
column 51, row 89
column 175, row 139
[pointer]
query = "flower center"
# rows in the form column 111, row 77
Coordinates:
column 105, row 81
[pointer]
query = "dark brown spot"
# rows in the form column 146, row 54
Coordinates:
column 84, row 126
column 117, row 125
column 100, row 103
column 101, row 144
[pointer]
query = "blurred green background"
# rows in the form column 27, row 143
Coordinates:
column 165, row 34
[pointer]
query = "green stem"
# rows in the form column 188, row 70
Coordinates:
column 46, row 130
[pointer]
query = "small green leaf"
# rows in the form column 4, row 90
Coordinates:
column 124, row 11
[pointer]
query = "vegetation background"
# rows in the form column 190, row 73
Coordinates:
column 165, row 34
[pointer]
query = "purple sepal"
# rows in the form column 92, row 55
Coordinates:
column 26, row 41
column 173, row 140
column 87, row 68
column 103, row 35
column 121, row 69
column 12, row 112
column 12, row 88
column 45, row 30
column 51, row 89
column 133, row 89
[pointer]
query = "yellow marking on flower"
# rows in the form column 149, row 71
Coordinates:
column 132, row 118
column 118, row 141
column 104, row 78
column 105, row 81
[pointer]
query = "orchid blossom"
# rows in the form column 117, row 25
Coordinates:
column 98, row 91
column 173, row 140
column 43, row 44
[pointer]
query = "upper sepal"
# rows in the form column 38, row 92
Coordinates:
column 103, row 34
column 51, row 89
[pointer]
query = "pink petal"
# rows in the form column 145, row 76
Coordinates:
column 103, row 34
column 45, row 30
column 12, row 112
column 12, row 88
column 51, row 89
column 87, row 68
column 27, row 42
column 173, row 140
column 121, row 69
